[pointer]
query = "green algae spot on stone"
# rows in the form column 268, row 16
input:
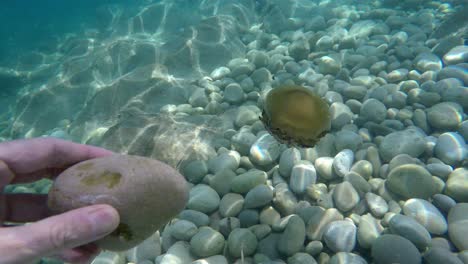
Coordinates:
column 108, row 178
column 295, row 116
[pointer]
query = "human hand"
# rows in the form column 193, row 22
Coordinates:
column 67, row 236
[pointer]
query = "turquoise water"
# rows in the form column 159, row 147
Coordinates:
column 185, row 82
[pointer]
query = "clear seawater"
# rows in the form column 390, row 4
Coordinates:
column 185, row 80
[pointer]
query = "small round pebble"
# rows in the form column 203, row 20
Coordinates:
column 183, row 230
column 303, row 175
column 458, row 226
column 231, row 204
column 377, row 205
column 340, row 236
column 203, row 198
column 292, row 239
column 246, row 181
column 411, row 181
column 259, row 196
column 342, row 162
column 457, row 185
column 207, row 242
column 410, row 229
column 427, row 215
column 390, row 249
column 402, row 142
column 451, row 148
column 346, row 258
column 345, row 196
column 242, row 242
column 373, row 110
column 445, row 115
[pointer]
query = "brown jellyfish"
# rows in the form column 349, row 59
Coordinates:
column 295, row 116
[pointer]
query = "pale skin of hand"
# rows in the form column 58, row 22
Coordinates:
column 67, row 236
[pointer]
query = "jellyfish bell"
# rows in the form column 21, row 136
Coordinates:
column 295, row 116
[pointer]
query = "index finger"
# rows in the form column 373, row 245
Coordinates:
column 28, row 159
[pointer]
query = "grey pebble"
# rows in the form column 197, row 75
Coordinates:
column 196, row 217
column 345, row 196
column 317, row 224
column 340, row 236
column 436, row 255
column 226, row 225
column 457, row 226
column 231, row 204
column 246, row 181
column 324, row 166
column 389, row 249
column 402, row 142
column 207, row 242
column 228, row 160
column 203, row 198
column 284, row 200
column 369, row 229
column 346, row 258
column 179, row 253
column 242, row 242
column 411, row 181
column 260, row 195
column 373, row 110
column 195, row 171
column 249, row 217
column 301, row 258
column 288, row 159
column 342, row 162
column 426, row 214
column 443, row 202
column 221, row 181
column 183, row 230
column 216, row 259
column 451, row 148
column 410, row 229
column 377, row 205
column 265, row 150
column 303, row 175
column 445, row 115
column 292, row 239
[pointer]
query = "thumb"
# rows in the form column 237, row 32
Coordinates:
column 68, row 230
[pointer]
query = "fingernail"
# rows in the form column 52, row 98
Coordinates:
column 104, row 218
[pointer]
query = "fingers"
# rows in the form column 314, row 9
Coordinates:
column 24, row 207
column 27, row 157
column 58, row 233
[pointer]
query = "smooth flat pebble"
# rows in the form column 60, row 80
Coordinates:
column 303, row 175
column 377, row 205
column 410, row 229
column 390, row 249
column 216, row 259
column 178, row 253
column 346, row 258
column 340, row 236
column 259, row 196
column 324, row 167
column 443, row 202
column 288, row 159
column 242, row 242
column 265, row 150
column 358, row 182
column 411, row 181
column 292, row 239
column 458, row 226
column 284, row 200
column 369, row 229
column 196, row 217
column 317, row 223
column 439, row 255
column 228, row 160
column 260, row 230
column 345, row 196
column 451, row 148
column 183, row 230
column 427, row 215
column 244, row 182
column 249, row 217
column 346, row 139
column 221, row 181
column 342, row 162
column 203, row 198
column 195, row 170
column 457, row 185
column 373, row 110
column 445, row 116
column 231, row 204
column 301, row 258
column 207, row 242
column 402, row 142
column 227, row 224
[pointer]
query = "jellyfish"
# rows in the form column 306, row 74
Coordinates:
column 295, row 116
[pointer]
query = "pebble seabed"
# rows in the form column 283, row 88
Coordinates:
column 387, row 184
